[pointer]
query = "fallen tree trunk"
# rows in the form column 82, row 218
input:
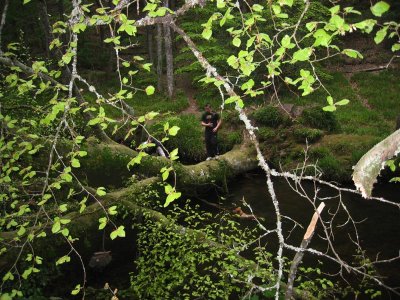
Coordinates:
column 106, row 165
column 84, row 225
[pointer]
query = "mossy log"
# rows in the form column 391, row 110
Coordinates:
column 106, row 165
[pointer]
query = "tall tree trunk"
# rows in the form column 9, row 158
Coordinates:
column 60, row 7
column 44, row 20
column 159, row 57
column 149, row 31
column 169, row 58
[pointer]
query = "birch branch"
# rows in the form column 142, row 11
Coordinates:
column 299, row 255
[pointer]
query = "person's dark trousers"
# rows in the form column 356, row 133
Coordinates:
column 211, row 145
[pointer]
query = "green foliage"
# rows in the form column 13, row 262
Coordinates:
column 310, row 134
column 269, row 116
column 190, row 137
column 318, row 118
column 181, row 264
column 252, row 50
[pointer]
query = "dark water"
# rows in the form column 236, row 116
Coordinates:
column 379, row 230
column 379, row 233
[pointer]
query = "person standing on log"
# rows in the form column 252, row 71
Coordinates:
column 211, row 121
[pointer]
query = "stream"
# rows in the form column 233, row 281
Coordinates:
column 378, row 230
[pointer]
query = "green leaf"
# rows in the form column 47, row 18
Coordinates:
column 103, row 223
column 165, row 175
column 247, row 85
column 112, row 210
column 173, row 130
column 233, row 61
column 285, row 41
column 232, row 99
column 286, row 2
column 220, row 4
column 56, row 227
column 21, row 231
column 250, row 42
column 147, row 67
column 366, row 25
column 335, row 9
column 342, row 102
column 119, row 232
column 396, row 47
column 26, row 273
column 101, row 191
column 171, row 197
column 330, row 100
column 352, row 53
column 75, row 163
column 173, row 155
column 236, row 42
column 277, row 9
column 63, row 259
column 380, row 35
column 207, row 33
column 150, row 90
column 257, row 7
column 302, row 54
column 76, row 290
column 380, row 8
column 168, row 189
column 322, row 38
column 79, row 27
column 8, row 276
column 63, row 207
column 329, row 108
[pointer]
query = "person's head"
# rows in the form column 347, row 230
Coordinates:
column 207, row 108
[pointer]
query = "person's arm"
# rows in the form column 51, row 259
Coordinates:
column 218, row 125
column 203, row 123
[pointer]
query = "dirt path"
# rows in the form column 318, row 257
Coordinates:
column 186, row 86
column 364, row 102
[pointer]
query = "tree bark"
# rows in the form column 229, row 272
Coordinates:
column 44, row 20
column 159, row 57
column 169, row 58
column 150, row 50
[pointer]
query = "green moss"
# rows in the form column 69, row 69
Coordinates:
column 266, row 134
column 317, row 118
column 310, row 134
column 269, row 116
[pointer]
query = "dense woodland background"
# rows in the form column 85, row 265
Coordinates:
column 84, row 204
